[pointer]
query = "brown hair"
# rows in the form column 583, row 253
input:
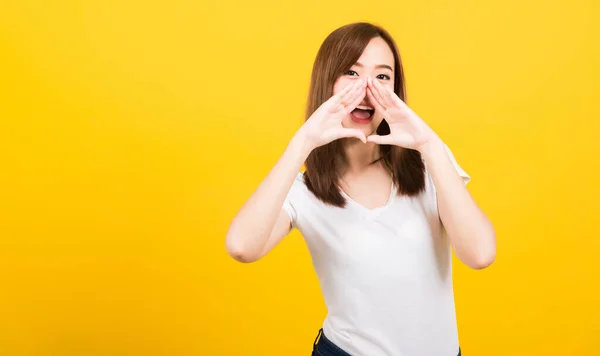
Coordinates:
column 340, row 50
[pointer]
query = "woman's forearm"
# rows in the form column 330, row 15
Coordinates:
column 470, row 231
column 250, row 229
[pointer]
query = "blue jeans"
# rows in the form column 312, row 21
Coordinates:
column 324, row 347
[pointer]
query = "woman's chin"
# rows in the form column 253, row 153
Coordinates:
column 368, row 127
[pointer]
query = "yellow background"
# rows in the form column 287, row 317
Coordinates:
column 132, row 131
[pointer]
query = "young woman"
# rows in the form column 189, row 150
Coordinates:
column 380, row 205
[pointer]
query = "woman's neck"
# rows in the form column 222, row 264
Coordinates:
column 360, row 156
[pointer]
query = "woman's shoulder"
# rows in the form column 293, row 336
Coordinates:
column 298, row 182
column 298, row 185
column 297, row 199
column 461, row 172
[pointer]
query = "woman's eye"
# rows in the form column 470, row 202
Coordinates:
column 383, row 77
column 351, row 72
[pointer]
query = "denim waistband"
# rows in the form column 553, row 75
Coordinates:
column 324, row 347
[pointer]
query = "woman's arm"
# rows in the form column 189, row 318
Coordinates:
column 261, row 222
column 470, row 231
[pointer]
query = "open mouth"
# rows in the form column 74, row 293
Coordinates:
column 362, row 114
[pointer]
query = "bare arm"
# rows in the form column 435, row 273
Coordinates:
column 470, row 231
column 261, row 222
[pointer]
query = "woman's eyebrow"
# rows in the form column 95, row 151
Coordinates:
column 358, row 64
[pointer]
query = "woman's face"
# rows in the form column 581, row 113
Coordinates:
column 377, row 62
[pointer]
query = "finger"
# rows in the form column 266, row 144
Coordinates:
column 336, row 100
column 356, row 133
column 388, row 95
column 380, row 140
column 381, row 93
column 357, row 87
column 394, row 97
column 349, row 94
column 358, row 97
column 378, row 106
column 377, row 92
column 347, row 89
column 347, row 99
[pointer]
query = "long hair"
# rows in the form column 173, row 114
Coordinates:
column 340, row 50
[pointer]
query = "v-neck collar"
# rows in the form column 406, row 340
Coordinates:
column 375, row 211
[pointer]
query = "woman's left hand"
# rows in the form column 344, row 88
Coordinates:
column 407, row 129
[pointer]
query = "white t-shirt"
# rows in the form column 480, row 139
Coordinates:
column 385, row 273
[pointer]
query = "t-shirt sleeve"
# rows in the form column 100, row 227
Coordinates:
column 288, row 206
column 292, row 198
column 461, row 172
column 465, row 176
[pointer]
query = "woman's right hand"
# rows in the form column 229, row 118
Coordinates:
column 325, row 124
